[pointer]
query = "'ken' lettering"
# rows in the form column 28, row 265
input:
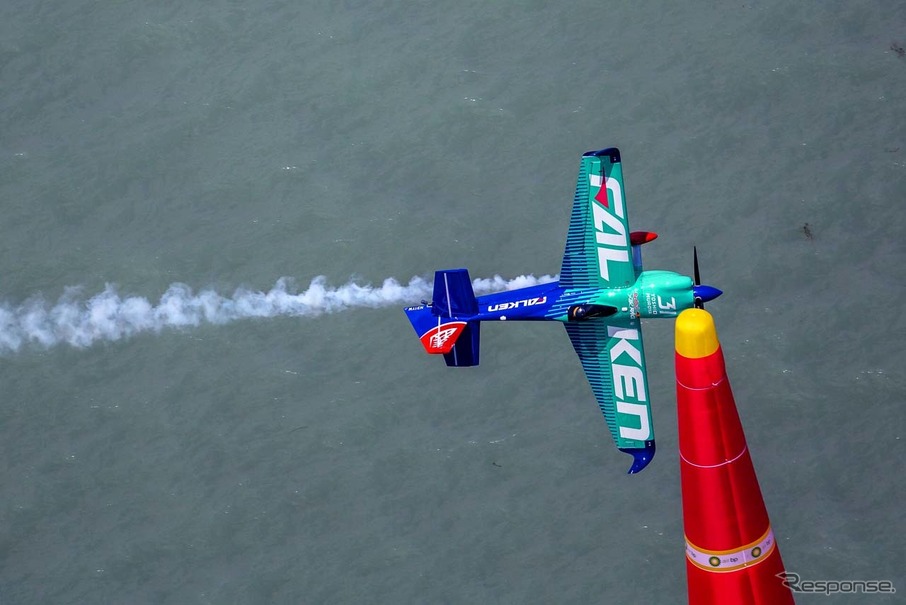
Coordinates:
column 629, row 382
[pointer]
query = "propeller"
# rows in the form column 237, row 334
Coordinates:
column 700, row 292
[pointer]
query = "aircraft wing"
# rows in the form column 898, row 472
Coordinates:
column 598, row 252
column 613, row 358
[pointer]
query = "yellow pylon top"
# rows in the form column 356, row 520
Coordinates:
column 696, row 335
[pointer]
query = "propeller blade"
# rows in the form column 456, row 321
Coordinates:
column 698, row 302
column 698, row 278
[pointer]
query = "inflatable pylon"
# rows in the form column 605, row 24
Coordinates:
column 732, row 556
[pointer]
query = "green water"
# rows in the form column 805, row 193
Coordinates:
column 326, row 459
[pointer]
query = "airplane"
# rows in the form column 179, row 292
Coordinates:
column 601, row 297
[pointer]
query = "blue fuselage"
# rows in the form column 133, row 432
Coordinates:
column 654, row 294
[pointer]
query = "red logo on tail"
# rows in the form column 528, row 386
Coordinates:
column 442, row 338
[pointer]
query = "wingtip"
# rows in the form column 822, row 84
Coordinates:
column 642, row 456
column 612, row 152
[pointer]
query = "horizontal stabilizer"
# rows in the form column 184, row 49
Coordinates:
column 443, row 326
column 453, row 294
column 465, row 350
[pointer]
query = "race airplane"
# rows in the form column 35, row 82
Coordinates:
column 601, row 297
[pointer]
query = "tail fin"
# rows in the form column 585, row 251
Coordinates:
column 443, row 326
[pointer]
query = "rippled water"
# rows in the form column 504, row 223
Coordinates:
column 293, row 457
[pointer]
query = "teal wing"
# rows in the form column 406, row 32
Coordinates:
column 598, row 252
column 613, row 358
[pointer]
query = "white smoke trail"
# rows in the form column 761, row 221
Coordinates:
column 108, row 316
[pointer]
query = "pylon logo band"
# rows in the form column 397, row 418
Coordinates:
column 722, row 561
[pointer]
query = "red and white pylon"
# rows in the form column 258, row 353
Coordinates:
column 732, row 556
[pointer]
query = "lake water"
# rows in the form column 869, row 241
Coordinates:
column 301, row 448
